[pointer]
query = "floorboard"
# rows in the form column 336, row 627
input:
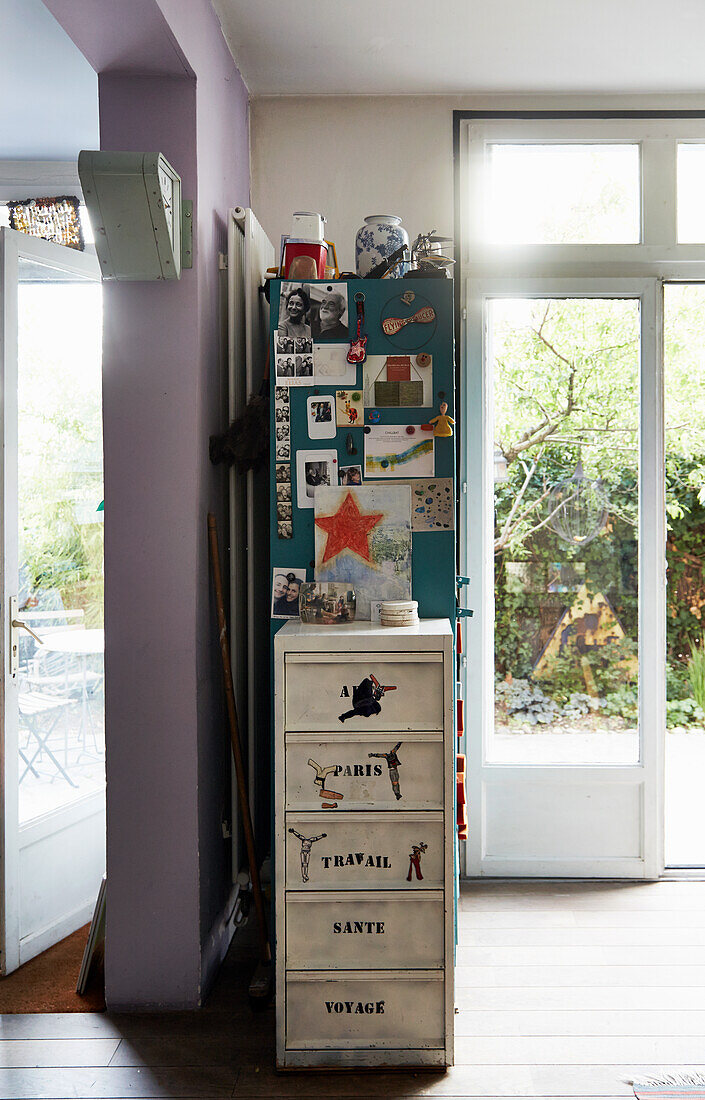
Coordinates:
column 565, row 991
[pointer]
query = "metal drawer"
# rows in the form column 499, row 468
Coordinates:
column 368, row 772
column 355, row 929
column 353, row 1009
column 333, row 691
column 369, row 850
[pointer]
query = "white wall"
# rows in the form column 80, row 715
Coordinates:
column 48, row 90
column 349, row 156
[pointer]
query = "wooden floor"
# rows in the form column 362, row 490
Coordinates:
column 563, row 990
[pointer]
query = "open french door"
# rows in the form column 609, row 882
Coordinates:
column 564, row 677
column 52, row 764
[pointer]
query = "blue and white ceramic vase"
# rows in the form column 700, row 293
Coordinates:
column 377, row 239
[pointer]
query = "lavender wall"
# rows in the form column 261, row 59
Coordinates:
column 167, row 754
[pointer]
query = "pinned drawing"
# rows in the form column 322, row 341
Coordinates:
column 363, row 537
column 432, row 503
column 393, row 764
column 307, row 843
column 320, row 781
column 417, row 850
column 365, row 699
column 398, row 450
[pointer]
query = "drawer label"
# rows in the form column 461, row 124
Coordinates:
column 355, row 1008
column 356, row 859
column 358, row 926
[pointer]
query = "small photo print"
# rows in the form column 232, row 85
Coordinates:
column 315, row 474
column 327, row 602
column 284, row 531
column 284, row 491
column 283, row 452
column 281, row 414
column 283, row 473
column 286, row 585
column 294, row 312
column 281, row 395
column 313, row 469
column 285, row 366
column 285, row 345
column 350, row 475
column 329, row 310
column 303, row 366
column 320, row 417
column 303, row 346
column 282, row 432
column 283, row 511
column 348, row 408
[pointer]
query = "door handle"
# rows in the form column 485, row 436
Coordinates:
column 15, row 626
column 19, row 625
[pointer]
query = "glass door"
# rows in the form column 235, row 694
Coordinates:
column 53, row 774
column 562, row 537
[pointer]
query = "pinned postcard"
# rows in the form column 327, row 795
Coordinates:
column 331, row 365
column 399, row 450
column 348, row 408
column 398, row 381
column 320, row 417
column 432, row 503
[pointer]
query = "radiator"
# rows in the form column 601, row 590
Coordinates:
column 250, row 253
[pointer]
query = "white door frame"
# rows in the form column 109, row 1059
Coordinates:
column 638, row 787
column 13, row 951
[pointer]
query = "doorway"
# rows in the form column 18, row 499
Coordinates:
column 52, row 779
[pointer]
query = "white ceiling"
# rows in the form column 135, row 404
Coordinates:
column 388, row 47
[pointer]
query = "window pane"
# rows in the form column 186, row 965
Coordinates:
column 691, row 186
column 566, row 393
column 60, row 540
column 561, row 194
column 684, row 389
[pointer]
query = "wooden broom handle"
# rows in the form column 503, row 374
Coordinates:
column 235, row 740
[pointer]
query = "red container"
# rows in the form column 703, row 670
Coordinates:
column 315, row 250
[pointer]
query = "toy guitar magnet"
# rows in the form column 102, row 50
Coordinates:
column 392, row 325
column 357, row 352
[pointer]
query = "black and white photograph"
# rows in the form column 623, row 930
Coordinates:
column 286, row 585
column 350, row 475
column 283, row 452
column 283, row 473
column 303, row 366
column 284, row 511
column 314, row 468
column 282, row 432
column 329, row 311
column 302, row 346
column 281, row 395
column 285, row 345
column 316, row 473
column 294, row 312
column 281, row 414
column 284, row 491
column 284, row 530
column 285, row 366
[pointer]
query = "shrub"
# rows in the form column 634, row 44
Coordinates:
column 696, row 673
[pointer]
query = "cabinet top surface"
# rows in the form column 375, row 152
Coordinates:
column 426, row 628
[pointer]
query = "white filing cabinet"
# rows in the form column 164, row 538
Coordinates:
column 364, row 859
